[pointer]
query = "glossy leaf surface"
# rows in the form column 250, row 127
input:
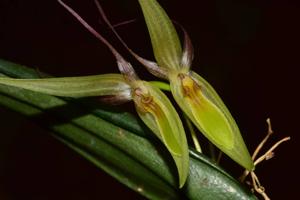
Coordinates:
column 130, row 158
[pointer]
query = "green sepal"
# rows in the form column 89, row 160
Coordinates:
column 207, row 111
column 157, row 112
column 97, row 85
column 165, row 42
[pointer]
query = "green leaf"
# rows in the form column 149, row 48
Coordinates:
column 102, row 153
column 136, row 161
column 98, row 85
column 157, row 112
column 165, row 42
column 205, row 108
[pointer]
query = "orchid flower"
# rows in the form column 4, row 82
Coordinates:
column 152, row 105
column 194, row 95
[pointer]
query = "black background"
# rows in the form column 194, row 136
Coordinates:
column 248, row 50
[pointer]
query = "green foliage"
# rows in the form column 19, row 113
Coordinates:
column 108, row 139
column 125, row 151
column 153, row 107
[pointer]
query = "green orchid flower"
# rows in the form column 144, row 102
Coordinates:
column 195, row 96
column 152, row 105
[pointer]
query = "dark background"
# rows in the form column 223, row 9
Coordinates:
column 248, row 50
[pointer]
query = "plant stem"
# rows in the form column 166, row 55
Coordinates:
column 193, row 134
column 161, row 85
column 212, row 151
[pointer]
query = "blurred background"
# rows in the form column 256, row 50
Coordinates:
column 248, row 50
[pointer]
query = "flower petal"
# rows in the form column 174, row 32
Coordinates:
column 164, row 38
column 98, row 85
column 157, row 112
column 207, row 111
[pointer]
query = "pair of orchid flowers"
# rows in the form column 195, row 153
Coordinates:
column 193, row 94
